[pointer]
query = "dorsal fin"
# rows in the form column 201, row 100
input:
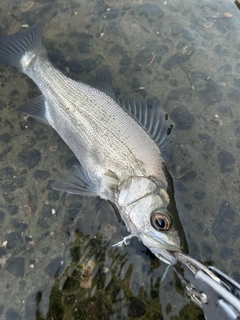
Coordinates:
column 103, row 82
column 153, row 119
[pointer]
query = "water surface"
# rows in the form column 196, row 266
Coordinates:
column 56, row 255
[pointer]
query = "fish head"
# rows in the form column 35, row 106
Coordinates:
column 144, row 208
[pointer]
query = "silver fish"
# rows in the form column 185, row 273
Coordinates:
column 118, row 144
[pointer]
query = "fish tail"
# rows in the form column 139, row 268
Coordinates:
column 17, row 50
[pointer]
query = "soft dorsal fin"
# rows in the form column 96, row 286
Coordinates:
column 154, row 120
column 76, row 181
column 103, row 82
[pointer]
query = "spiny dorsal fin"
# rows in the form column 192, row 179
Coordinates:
column 154, row 120
column 103, row 82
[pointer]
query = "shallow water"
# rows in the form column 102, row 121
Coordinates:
column 56, row 255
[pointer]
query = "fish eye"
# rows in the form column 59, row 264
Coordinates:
column 160, row 221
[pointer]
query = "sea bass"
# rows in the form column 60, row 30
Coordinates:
column 118, row 144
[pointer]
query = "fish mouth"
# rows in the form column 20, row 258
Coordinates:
column 163, row 248
column 165, row 256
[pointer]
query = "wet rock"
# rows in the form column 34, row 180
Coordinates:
column 12, row 209
column 126, row 60
column 75, row 66
column 16, row 267
column 226, row 161
column 5, row 152
column 136, row 309
column 55, row 268
column 5, row 137
column 46, row 211
column 206, row 251
column 112, row 14
column 173, row 82
column 225, row 111
column 178, row 185
column 117, row 50
column 159, row 49
column 150, row 11
column 221, row 50
column 211, row 94
column 234, row 95
column 176, row 59
column 54, row 55
column 8, row 186
column 43, row 224
column 144, row 56
column 176, row 29
column 2, row 251
column 71, row 215
column 2, row 216
column 53, row 195
column 236, row 82
column 182, row 118
column 190, row 176
column 69, row 300
column 222, row 226
column 199, row 195
column 8, row 172
column 199, row 75
column 20, row 181
column 30, row 158
column 1, row 309
column 84, row 43
column 181, row 94
column 207, row 141
column 75, row 253
column 2, row 104
column 227, row 68
column 13, row 239
column 226, row 253
column 86, row 65
column 220, row 26
column 237, row 68
column 41, row 174
column 19, row 224
column 188, row 206
column 238, row 144
column 236, row 276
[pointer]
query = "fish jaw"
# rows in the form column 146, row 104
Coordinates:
column 162, row 250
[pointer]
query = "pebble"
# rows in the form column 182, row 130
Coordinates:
column 16, row 266
column 30, row 158
column 182, row 118
column 226, row 161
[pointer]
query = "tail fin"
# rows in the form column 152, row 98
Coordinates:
column 13, row 47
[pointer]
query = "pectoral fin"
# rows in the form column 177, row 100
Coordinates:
column 76, row 181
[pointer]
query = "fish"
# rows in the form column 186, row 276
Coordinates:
column 119, row 143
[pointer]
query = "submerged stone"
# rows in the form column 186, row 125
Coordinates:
column 16, row 267
column 136, row 309
column 226, row 161
column 55, row 267
column 222, row 226
column 150, row 11
column 182, row 118
column 30, row 158
column 41, row 174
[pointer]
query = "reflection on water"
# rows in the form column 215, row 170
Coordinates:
column 56, row 255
